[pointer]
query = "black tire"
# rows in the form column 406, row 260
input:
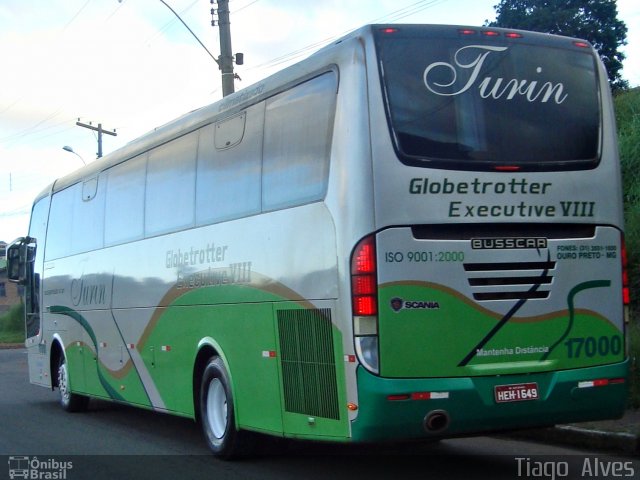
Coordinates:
column 217, row 416
column 70, row 402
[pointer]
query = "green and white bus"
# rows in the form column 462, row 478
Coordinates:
column 415, row 233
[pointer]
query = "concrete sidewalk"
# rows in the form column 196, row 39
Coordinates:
column 619, row 436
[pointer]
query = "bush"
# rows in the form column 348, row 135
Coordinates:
column 627, row 106
column 634, row 354
column 12, row 325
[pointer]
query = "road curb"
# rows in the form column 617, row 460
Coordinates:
column 568, row 435
column 11, row 345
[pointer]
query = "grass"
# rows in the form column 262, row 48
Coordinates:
column 12, row 325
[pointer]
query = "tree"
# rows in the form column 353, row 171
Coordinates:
column 592, row 20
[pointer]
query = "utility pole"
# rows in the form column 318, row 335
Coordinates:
column 226, row 54
column 225, row 61
column 100, row 131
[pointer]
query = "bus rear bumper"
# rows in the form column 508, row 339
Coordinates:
column 394, row 409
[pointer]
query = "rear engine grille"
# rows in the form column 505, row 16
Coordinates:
column 308, row 362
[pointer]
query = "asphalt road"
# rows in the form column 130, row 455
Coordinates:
column 119, row 442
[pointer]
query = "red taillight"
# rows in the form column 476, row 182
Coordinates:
column 363, row 285
column 581, row 44
column 364, row 259
column 364, row 290
column 389, row 30
column 467, row 31
column 626, row 296
column 365, row 305
column 506, row 168
column 513, row 35
column 490, row 33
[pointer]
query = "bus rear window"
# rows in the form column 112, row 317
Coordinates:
column 478, row 102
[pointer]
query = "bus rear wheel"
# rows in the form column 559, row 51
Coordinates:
column 217, row 415
column 70, row 402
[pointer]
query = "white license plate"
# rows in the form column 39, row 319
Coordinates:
column 520, row 392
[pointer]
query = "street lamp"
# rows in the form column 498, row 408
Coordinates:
column 67, row 148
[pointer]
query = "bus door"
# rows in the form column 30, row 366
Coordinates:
column 24, row 266
column 21, row 267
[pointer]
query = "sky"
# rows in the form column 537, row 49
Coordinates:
column 131, row 65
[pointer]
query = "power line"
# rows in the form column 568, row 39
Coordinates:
column 34, row 128
column 191, row 32
column 30, row 131
column 245, row 6
column 404, row 12
column 171, row 22
column 115, row 11
column 33, row 140
column 11, row 105
column 389, row 17
column 76, row 15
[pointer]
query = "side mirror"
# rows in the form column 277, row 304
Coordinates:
column 19, row 254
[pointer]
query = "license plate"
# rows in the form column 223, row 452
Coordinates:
column 520, row 392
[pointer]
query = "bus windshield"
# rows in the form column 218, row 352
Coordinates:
column 462, row 99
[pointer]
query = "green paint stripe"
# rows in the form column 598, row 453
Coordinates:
column 61, row 310
column 570, row 302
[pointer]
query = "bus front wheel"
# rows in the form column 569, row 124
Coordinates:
column 217, row 415
column 70, row 402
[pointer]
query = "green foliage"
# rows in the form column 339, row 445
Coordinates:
column 12, row 325
column 627, row 106
column 592, row 20
column 634, row 354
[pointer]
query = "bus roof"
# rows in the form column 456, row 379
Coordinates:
column 261, row 90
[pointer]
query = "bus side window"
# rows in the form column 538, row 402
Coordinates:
column 229, row 178
column 124, row 205
column 61, row 222
column 88, row 216
column 170, row 186
column 297, row 143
